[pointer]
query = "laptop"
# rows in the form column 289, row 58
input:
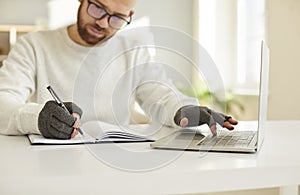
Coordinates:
column 238, row 140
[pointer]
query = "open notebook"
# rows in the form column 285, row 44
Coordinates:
column 96, row 132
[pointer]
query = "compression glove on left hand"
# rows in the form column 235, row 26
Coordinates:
column 199, row 115
column 55, row 122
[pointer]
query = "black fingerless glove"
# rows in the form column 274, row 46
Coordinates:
column 55, row 122
column 199, row 115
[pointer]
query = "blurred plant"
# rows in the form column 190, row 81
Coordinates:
column 228, row 104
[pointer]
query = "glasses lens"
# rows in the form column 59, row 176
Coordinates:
column 117, row 22
column 98, row 12
column 95, row 11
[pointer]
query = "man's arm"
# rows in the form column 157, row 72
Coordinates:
column 157, row 95
column 161, row 100
column 17, row 83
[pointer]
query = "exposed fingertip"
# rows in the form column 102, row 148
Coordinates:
column 74, row 134
column 232, row 121
column 184, row 122
column 230, row 128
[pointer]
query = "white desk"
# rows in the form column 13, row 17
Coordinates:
column 26, row 169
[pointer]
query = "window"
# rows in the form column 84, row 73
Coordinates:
column 231, row 32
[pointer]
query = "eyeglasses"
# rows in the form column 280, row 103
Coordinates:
column 99, row 13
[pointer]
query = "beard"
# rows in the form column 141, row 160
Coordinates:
column 90, row 38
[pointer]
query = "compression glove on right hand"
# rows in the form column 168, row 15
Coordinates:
column 199, row 115
column 55, row 122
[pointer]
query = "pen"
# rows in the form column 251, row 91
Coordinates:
column 60, row 103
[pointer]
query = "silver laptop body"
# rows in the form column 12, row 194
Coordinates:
column 239, row 140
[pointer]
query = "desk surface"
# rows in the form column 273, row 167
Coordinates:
column 137, row 169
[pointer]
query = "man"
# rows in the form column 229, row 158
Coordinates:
column 70, row 59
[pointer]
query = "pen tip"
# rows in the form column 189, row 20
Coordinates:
column 48, row 87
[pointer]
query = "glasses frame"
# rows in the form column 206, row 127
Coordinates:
column 127, row 22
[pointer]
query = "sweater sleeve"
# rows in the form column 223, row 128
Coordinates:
column 17, row 84
column 155, row 92
column 158, row 96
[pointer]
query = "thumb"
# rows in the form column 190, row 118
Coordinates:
column 77, row 123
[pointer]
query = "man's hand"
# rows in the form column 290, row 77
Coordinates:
column 188, row 116
column 55, row 122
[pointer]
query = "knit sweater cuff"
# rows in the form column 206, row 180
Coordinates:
column 29, row 114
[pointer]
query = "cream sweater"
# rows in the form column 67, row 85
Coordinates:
column 102, row 80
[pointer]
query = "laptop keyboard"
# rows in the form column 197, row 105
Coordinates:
column 230, row 139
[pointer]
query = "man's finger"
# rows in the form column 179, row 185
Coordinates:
column 184, row 122
column 76, row 115
column 228, row 125
column 232, row 121
column 75, row 132
column 77, row 123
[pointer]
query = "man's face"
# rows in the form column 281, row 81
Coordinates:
column 94, row 31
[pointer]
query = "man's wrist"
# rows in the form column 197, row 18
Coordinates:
column 29, row 114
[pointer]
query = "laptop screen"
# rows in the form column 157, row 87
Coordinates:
column 263, row 96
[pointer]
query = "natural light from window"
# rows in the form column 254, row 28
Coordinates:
column 231, row 32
